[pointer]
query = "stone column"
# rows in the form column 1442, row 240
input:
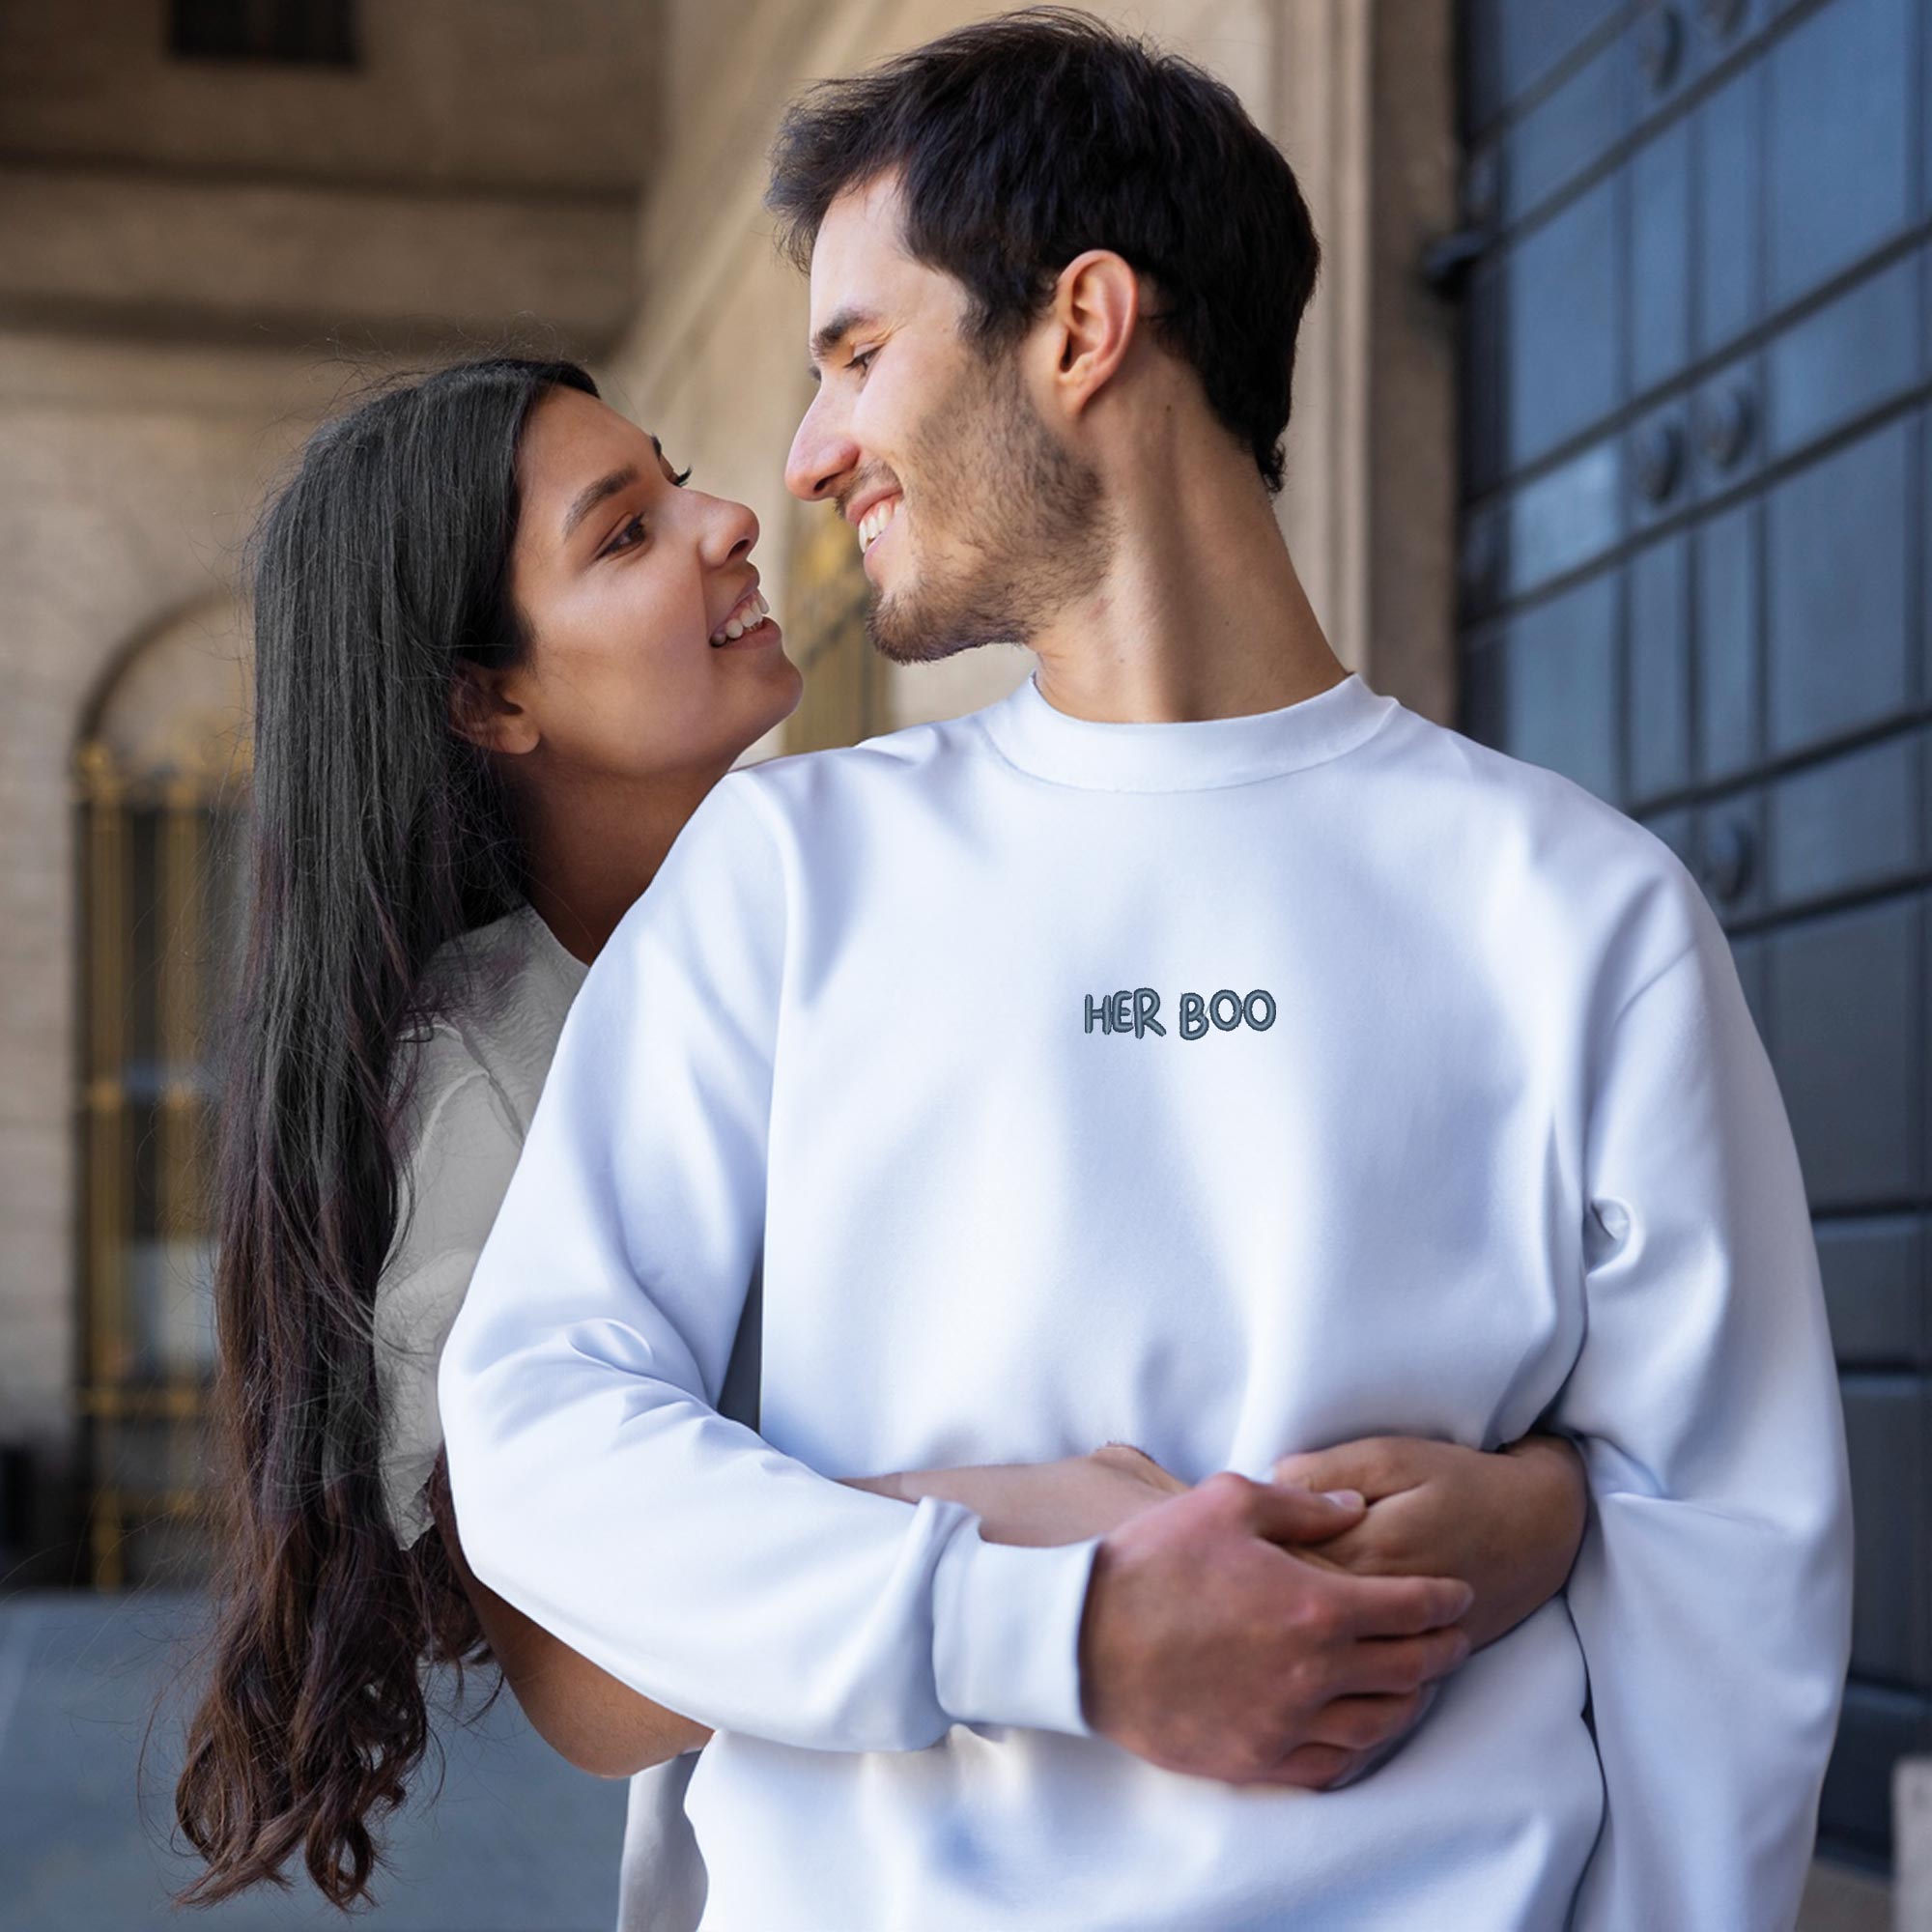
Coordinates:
column 1365, row 112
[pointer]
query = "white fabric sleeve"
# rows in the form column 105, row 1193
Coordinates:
column 597, row 1487
column 1712, row 1595
column 460, row 1157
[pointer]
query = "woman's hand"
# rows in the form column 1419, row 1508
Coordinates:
column 1065, row 1501
column 1507, row 1522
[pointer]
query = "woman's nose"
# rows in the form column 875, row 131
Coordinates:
column 729, row 532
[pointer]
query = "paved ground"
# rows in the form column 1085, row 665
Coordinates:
column 517, row 1841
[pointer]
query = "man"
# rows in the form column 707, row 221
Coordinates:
column 1193, row 1049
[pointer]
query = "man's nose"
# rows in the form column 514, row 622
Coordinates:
column 822, row 454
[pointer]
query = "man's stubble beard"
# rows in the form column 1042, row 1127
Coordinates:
column 1025, row 530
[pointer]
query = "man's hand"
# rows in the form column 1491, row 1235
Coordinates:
column 1205, row 1647
column 1507, row 1522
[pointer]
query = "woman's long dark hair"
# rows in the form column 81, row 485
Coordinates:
column 379, row 833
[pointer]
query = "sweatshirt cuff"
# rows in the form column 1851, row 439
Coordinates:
column 1006, row 1630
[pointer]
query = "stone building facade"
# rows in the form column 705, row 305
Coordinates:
column 203, row 254
column 207, row 252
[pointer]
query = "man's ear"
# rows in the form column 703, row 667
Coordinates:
column 482, row 711
column 1096, row 309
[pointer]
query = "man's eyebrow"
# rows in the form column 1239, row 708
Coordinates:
column 835, row 332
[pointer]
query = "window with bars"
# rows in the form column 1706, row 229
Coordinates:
column 161, row 890
column 161, row 778
column 309, row 32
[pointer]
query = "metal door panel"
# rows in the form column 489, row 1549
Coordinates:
column 1659, row 670
column 1657, row 460
column 1837, row 592
column 1839, row 158
column 1568, row 518
column 1693, row 574
column 1479, row 377
column 1564, row 134
column 1726, row 437
column 1886, row 1418
column 1874, row 1274
column 1724, row 646
column 1849, row 357
column 1844, row 992
column 1563, row 310
column 1880, row 1725
column 1658, row 284
column 1850, row 824
column 1559, row 671
column 1524, row 39
column 1730, row 188
column 1731, row 839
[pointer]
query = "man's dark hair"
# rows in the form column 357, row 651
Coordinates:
column 1024, row 140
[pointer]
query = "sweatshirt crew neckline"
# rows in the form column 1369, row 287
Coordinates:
column 1199, row 755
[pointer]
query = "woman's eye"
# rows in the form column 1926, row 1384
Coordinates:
column 636, row 524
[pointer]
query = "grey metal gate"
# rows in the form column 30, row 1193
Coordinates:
column 1696, row 287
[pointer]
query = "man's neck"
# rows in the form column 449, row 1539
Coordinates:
column 1202, row 614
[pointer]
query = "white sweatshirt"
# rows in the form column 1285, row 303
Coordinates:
column 1229, row 1087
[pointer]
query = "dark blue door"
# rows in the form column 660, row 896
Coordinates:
column 1695, row 351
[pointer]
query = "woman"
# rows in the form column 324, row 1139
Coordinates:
column 501, row 656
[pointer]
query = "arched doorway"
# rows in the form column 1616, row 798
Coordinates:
column 162, row 778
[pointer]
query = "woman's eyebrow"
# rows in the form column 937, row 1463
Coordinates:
column 587, row 500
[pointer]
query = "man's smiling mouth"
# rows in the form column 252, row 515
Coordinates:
column 875, row 523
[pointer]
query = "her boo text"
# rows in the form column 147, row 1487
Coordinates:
column 1135, row 1012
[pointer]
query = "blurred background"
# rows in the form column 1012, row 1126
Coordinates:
column 1610, row 448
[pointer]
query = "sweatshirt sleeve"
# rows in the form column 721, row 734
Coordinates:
column 596, row 1486
column 1712, row 1595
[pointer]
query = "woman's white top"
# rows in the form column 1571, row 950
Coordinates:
column 477, row 1079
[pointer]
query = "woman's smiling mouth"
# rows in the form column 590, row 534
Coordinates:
column 750, row 614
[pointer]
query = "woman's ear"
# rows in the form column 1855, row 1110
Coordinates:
column 482, row 711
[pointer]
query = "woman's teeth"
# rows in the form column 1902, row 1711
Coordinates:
column 873, row 526
column 748, row 617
